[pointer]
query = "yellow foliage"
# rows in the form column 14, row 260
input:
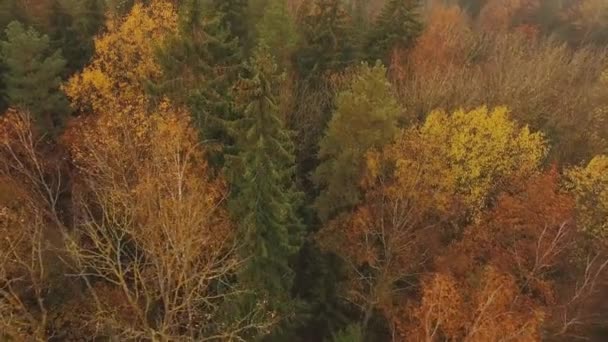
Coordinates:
column 124, row 59
column 145, row 172
column 590, row 187
column 466, row 154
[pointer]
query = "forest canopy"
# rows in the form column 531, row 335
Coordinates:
column 303, row 170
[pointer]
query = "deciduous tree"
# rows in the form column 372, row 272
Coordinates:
column 123, row 61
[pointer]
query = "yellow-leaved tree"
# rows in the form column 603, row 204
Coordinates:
column 446, row 170
column 590, row 187
column 471, row 154
column 124, row 59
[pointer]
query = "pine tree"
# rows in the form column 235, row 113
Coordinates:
column 32, row 77
column 397, row 26
column 365, row 118
column 265, row 200
column 200, row 66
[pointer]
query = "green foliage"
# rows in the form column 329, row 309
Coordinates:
column 265, row 200
column 74, row 23
column 200, row 66
column 233, row 18
column 326, row 38
column 32, row 75
column 352, row 333
column 397, row 26
column 276, row 30
column 365, row 118
column 10, row 10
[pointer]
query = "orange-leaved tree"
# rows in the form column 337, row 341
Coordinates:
column 152, row 239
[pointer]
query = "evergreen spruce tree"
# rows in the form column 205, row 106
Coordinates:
column 397, row 26
column 200, row 67
column 265, row 200
column 32, row 76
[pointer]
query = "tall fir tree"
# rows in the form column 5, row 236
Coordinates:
column 201, row 64
column 33, row 76
column 396, row 27
column 265, row 200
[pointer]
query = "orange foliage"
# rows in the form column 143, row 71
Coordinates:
column 445, row 41
column 502, row 15
column 503, row 267
column 472, row 311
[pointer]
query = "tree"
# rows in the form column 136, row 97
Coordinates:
column 74, row 25
column 365, row 117
column 326, row 45
column 163, row 251
column 396, row 28
column 123, row 61
column 446, row 41
column 415, row 192
column 233, row 19
column 276, row 30
column 499, row 16
column 480, row 148
column 529, row 77
column 590, row 188
column 33, row 75
column 265, row 200
column 31, row 186
column 200, row 64
column 513, row 272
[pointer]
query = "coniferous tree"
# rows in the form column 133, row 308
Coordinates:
column 265, row 201
column 325, row 49
column 326, row 38
column 200, row 65
column 233, row 18
column 74, row 23
column 32, row 76
column 397, row 26
column 276, row 30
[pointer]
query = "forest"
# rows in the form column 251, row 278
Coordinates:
column 304, row 170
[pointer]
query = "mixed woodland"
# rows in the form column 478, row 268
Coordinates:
column 303, row 170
